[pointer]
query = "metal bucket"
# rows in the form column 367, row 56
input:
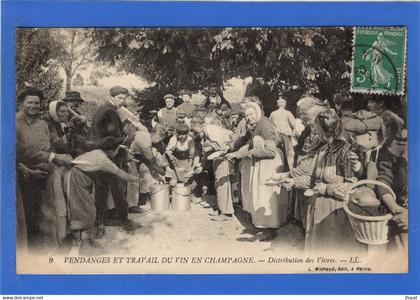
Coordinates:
column 159, row 197
column 181, row 197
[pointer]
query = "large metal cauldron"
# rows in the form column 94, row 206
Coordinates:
column 181, row 197
column 159, row 198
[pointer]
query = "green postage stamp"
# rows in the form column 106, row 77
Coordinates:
column 379, row 60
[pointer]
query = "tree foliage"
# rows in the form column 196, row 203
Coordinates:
column 310, row 60
column 36, row 51
column 170, row 58
column 289, row 61
column 75, row 51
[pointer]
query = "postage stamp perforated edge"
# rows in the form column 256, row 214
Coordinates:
column 374, row 91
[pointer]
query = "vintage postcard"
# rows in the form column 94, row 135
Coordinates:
column 242, row 150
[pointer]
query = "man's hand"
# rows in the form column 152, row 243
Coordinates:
column 37, row 174
column 62, row 159
column 171, row 158
column 30, row 173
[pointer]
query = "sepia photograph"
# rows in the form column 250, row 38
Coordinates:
column 206, row 150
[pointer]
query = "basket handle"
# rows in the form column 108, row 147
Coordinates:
column 367, row 181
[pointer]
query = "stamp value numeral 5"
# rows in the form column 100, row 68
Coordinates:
column 361, row 74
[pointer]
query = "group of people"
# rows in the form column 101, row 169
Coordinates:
column 75, row 178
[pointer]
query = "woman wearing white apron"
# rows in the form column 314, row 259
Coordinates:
column 268, row 204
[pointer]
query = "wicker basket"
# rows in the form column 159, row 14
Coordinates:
column 371, row 230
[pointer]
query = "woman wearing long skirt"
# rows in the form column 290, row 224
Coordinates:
column 327, row 225
column 217, row 138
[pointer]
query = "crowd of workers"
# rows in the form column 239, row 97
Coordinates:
column 76, row 178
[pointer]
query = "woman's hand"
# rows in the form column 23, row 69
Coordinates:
column 62, row 159
column 280, row 176
column 224, row 149
column 230, row 156
column 338, row 190
column 198, row 170
column 288, row 184
column 215, row 146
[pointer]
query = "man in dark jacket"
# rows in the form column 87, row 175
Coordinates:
column 106, row 124
column 392, row 170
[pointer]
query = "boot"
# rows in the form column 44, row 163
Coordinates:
column 269, row 234
column 100, row 232
column 88, row 247
column 222, row 218
column 143, row 198
column 136, row 210
column 129, row 225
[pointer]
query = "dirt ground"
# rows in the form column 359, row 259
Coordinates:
column 174, row 233
column 190, row 242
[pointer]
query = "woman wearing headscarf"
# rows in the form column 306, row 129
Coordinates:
column 268, row 205
column 62, row 141
column 308, row 143
column 64, row 138
column 58, row 126
column 328, row 227
column 245, row 163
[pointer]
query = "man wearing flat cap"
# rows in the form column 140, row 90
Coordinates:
column 186, row 104
column 106, row 123
column 181, row 118
column 167, row 115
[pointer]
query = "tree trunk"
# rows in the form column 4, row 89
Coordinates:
column 68, row 81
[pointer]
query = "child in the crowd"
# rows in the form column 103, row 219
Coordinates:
column 180, row 154
column 200, row 178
